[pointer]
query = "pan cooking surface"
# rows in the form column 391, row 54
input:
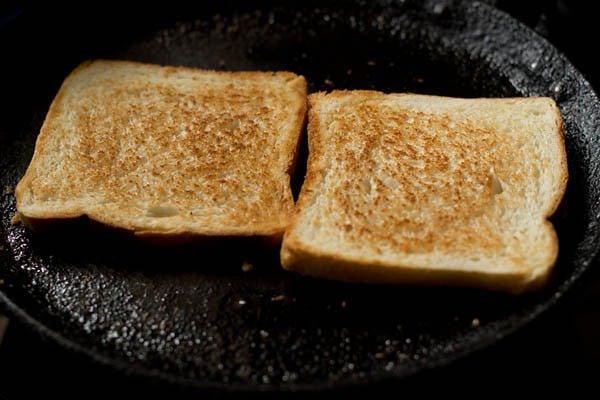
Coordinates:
column 200, row 315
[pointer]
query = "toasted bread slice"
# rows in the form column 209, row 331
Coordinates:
column 415, row 189
column 168, row 151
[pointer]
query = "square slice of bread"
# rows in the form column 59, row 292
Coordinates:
column 416, row 189
column 168, row 151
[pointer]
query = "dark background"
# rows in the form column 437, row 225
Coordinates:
column 559, row 350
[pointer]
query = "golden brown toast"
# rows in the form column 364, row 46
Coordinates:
column 404, row 188
column 168, row 151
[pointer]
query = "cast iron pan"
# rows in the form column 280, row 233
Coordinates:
column 191, row 315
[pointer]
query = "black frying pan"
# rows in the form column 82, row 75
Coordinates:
column 191, row 316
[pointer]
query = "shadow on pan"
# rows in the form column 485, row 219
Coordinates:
column 194, row 317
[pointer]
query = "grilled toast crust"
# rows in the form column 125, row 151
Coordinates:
column 404, row 188
column 168, row 151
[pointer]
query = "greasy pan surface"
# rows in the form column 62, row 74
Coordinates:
column 191, row 315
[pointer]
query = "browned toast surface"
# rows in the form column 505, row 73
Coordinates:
column 424, row 189
column 168, row 150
